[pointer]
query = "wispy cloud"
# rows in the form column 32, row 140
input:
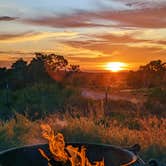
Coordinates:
column 142, row 3
column 126, row 48
column 149, row 18
column 75, row 20
column 16, row 53
column 7, row 18
column 33, row 36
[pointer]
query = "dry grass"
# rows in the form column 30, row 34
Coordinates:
column 149, row 132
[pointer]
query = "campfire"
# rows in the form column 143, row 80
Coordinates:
column 62, row 153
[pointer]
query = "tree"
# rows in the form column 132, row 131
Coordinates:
column 19, row 73
column 56, row 62
column 153, row 73
column 19, row 64
column 3, row 77
column 74, row 68
column 150, row 75
column 57, row 66
column 154, row 66
column 36, row 69
column 44, row 67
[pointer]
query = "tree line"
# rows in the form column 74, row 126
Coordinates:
column 23, row 74
column 27, row 88
column 150, row 75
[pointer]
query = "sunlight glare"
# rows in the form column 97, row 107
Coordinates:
column 115, row 66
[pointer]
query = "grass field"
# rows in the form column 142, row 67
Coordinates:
column 95, row 127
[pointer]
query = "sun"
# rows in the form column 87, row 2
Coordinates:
column 115, row 66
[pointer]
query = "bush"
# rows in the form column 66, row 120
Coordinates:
column 12, row 132
column 156, row 102
column 36, row 101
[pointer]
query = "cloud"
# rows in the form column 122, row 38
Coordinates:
column 76, row 20
column 142, row 3
column 6, row 37
column 33, row 36
column 122, row 53
column 20, row 53
column 129, row 38
column 134, row 39
column 125, row 48
column 143, row 18
column 119, row 38
column 149, row 18
column 7, row 18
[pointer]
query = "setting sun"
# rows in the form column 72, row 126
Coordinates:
column 115, row 66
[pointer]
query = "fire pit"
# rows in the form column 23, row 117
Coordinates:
column 30, row 156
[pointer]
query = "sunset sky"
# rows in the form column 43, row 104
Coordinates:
column 91, row 33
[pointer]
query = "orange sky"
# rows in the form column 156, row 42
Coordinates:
column 90, row 33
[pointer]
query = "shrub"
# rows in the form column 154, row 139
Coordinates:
column 12, row 132
column 36, row 101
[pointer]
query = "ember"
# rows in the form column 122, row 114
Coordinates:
column 62, row 153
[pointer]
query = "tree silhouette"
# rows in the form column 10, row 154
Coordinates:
column 36, row 69
column 74, row 68
column 56, row 62
column 3, row 77
column 19, row 73
column 154, row 66
column 19, row 64
column 150, row 75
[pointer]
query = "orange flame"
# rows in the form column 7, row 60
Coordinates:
column 62, row 153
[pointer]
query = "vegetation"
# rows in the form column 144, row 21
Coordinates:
column 150, row 75
column 156, row 102
column 21, row 74
column 29, row 90
column 35, row 101
column 149, row 132
column 29, row 97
